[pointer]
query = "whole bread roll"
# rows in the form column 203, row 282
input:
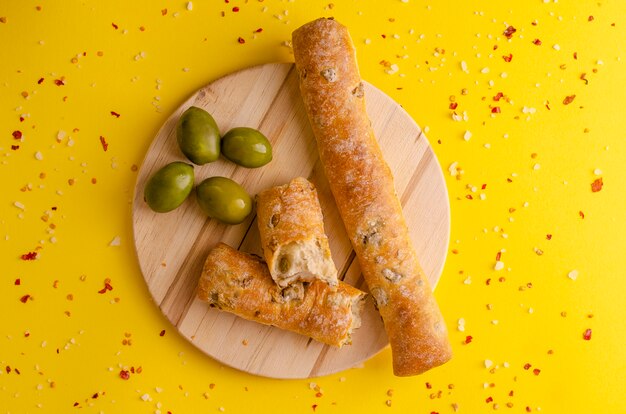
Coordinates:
column 291, row 226
column 240, row 283
column 362, row 185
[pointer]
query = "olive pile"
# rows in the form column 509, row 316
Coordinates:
column 199, row 140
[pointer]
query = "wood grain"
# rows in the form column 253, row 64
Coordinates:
column 172, row 247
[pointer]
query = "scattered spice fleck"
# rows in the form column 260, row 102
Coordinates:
column 107, row 286
column 29, row 256
column 509, row 32
column 537, row 42
column 508, row 58
column 17, row 134
column 597, row 185
column 569, row 99
column 115, row 114
column 25, row 298
column 105, row 145
column 587, row 335
column 241, row 40
column 114, row 26
column 124, row 374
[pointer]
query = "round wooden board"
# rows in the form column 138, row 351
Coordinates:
column 172, row 247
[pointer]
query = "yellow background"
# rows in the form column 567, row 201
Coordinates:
column 68, row 341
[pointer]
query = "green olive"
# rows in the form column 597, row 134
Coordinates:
column 198, row 136
column 169, row 187
column 246, row 147
column 223, row 199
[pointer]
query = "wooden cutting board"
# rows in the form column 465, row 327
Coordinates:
column 172, row 247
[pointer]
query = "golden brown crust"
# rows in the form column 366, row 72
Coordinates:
column 291, row 226
column 240, row 283
column 362, row 185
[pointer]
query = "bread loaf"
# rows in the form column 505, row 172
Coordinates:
column 240, row 283
column 362, row 185
column 291, row 226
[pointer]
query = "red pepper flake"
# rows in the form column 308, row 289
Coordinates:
column 488, row 282
column 162, row 333
column 259, row 30
column 241, row 40
column 495, row 47
column 469, row 197
column 498, row 256
column 59, row 82
column 17, row 282
column 597, row 185
column 590, row 18
column 21, row 119
column 498, row 96
column 569, row 99
column 314, row 406
column 509, row 32
column 17, row 134
column 15, row 147
column 107, row 286
column 25, row 298
column 468, row 339
column 124, row 374
column 453, row 105
column 429, row 386
column 489, row 399
column 508, row 58
column 163, row 12
column 581, row 214
column 40, row 81
column 575, row 55
column 495, row 110
column 537, row 42
column 103, row 141
column 7, row 369
column 114, row 26
column 115, row 114
column 587, row 334
column 527, row 366
column 548, row 236
column 536, row 371
column 235, row 9
column 29, row 256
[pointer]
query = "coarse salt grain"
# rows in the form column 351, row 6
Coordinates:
column 488, row 363
column 484, row 70
column 556, row 47
column 115, row 242
column 573, row 274
column 464, row 66
column 19, row 205
column 146, row 397
column 597, row 171
column 189, row 6
column 467, row 135
column 38, row 156
column 499, row 265
column 536, row 166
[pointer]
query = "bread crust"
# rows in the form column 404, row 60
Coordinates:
column 291, row 225
column 240, row 283
column 362, row 185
